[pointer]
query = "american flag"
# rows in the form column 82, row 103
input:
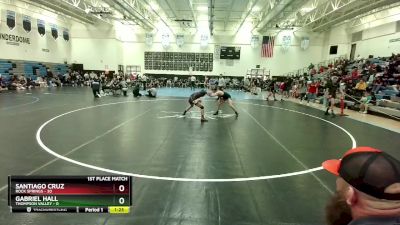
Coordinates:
column 267, row 50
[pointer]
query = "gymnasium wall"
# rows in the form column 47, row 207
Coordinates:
column 379, row 41
column 282, row 62
column 338, row 36
column 40, row 48
column 95, row 47
column 376, row 35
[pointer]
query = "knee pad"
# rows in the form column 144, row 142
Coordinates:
column 201, row 107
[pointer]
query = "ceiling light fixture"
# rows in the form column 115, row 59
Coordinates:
column 307, row 9
column 202, row 8
column 154, row 6
column 256, row 9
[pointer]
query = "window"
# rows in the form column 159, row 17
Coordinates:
column 333, row 50
column 133, row 69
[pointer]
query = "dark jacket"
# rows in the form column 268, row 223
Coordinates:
column 377, row 221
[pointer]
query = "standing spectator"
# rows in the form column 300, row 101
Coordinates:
column 144, row 81
column 124, row 86
column 192, row 82
column 284, row 89
column 212, row 83
column 169, row 83
column 367, row 188
column 49, row 78
column 331, row 88
column 221, row 82
column 311, row 92
column 302, row 90
column 86, row 77
column 246, row 84
column 96, row 87
column 271, row 89
column 206, row 82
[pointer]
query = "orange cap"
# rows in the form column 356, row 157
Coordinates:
column 333, row 165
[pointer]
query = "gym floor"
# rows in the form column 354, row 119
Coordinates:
column 276, row 147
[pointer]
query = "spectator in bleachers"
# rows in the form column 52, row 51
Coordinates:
column 360, row 87
column 354, row 73
column 365, row 102
column 302, row 90
column 311, row 92
column 321, row 69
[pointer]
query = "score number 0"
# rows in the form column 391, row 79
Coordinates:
column 121, row 200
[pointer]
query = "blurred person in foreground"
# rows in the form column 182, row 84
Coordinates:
column 367, row 188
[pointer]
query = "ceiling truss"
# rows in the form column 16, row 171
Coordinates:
column 228, row 16
column 334, row 12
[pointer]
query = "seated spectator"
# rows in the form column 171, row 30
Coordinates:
column 152, row 92
column 15, row 84
column 57, row 81
column 124, row 86
column 321, row 69
column 365, row 102
column 136, row 90
column 360, row 87
column 397, row 87
column 367, row 188
column 22, row 80
column 354, row 73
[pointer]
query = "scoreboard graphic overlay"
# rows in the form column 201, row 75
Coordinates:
column 70, row 194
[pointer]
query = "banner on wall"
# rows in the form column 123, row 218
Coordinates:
column 204, row 40
column 41, row 27
column 165, row 40
column 305, row 43
column 180, row 40
column 255, row 39
column 66, row 35
column 286, row 41
column 26, row 23
column 10, row 19
column 54, row 31
column 149, row 39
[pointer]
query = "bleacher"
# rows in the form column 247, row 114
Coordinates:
column 30, row 69
column 387, row 103
column 6, row 68
column 58, row 68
